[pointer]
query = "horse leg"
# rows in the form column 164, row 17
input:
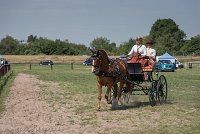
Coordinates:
column 128, row 84
column 115, row 101
column 107, row 95
column 119, row 92
column 115, row 90
column 99, row 96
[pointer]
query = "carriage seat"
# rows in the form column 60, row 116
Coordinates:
column 135, row 71
column 149, row 66
column 148, row 69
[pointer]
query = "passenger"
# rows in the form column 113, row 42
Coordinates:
column 151, row 53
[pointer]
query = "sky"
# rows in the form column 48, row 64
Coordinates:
column 81, row 21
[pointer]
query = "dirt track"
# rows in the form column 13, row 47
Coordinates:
column 27, row 113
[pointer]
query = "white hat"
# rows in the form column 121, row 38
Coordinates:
column 139, row 38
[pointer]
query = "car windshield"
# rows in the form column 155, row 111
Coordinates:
column 164, row 62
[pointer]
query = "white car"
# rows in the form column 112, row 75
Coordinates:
column 178, row 64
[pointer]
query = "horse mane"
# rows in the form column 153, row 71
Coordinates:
column 104, row 58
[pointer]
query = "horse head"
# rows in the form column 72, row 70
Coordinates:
column 99, row 60
column 96, row 61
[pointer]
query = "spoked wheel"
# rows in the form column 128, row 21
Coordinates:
column 150, row 77
column 111, row 96
column 162, row 89
column 153, row 94
column 125, row 95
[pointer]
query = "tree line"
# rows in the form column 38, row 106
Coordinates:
column 165, row 33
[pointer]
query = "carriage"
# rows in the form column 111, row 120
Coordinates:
column 139, row 78
column 145, row 81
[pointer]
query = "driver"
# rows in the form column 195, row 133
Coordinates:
column 138, row 53
column 138, row 48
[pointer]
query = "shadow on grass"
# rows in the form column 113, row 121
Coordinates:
column 134, row 105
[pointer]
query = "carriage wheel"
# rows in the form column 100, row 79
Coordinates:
column 111, row 96
column 162, row 89
column 125, row 95
column 150, row 77
column 153, row 95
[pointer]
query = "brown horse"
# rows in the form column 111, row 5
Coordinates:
column 108, row 73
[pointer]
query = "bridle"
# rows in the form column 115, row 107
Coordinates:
column 96, row 63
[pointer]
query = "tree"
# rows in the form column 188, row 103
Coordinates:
column 8, row 45
column 167, row 36
column 126, row 47
column 103, row 43
column 21, row 48
column 31, row 38
column 81, row 49
column 192, row 46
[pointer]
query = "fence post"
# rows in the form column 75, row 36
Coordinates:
column 190, row 64
column 51, row 67
column 30, row 66
column 72, row 65
column 7, row 68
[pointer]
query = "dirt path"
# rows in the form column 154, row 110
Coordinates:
column 28, row 113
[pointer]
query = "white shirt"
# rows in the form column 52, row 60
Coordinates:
column 139, row 49
column 151, row 52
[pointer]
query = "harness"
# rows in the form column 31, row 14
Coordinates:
column 115, row 73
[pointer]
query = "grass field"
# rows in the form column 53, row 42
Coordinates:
column 181, row 113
